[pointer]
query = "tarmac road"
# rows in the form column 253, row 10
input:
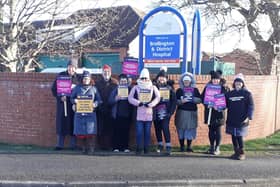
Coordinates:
column 131, row 170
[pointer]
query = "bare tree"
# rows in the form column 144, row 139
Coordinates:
column 223, row 12
column 23, row 37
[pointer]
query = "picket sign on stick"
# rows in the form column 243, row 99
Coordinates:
column 209, row 116
column 65, row 108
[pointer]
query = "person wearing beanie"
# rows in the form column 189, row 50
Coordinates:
column 85, row 122
column 121, row 112
column 240, row 107
column 188, row 97
column 144, row 96
column 217, row 118
column 105, row 85
column 163, row 111
column 65, row 116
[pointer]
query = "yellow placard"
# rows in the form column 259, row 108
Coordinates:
column 84, row 106
column 164, row 94
column 123, row 92
column 145, row 96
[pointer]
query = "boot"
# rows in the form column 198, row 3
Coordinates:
column 235, row 155
column 168, row 150
column 159, row 148
column 138, row 150
column 84, row 146
column 182, row 146
column 189, row 146
column 241, row 155
column 211, row 150
column 91, row 145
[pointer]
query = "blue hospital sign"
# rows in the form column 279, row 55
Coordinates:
column 162, row 49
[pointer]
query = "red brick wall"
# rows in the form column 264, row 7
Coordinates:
column 28, row 109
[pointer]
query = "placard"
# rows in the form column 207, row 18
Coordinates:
column 63, row 85
column 210, row 92
column 220, row 101
column 164, row 94
column 188, row 93
column 145, row 95
column 84, row 104
column 123, row 92
column 130, row 66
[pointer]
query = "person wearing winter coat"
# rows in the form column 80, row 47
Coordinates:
column 64, row 123
column 122, row 112
column 240, row 107
column 217, row 116
column 85, row 122
column 144, row 96
column 188, row 97
column 105, row 122
column 163, row 111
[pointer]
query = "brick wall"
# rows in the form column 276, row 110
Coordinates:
column 28, row 109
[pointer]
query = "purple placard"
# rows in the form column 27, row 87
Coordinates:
column 210, row 92
column 130, row 67
column 220, row 102
column 188, row 93
column 63, row 85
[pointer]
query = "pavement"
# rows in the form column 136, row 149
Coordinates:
column 69, row 169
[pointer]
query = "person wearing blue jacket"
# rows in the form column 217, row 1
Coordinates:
column 163, row 111
column 122, row 112
column 240, row 111
column 85, row 122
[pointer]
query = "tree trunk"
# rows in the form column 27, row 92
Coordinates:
column 265, row 49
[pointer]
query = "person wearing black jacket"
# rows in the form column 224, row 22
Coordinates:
column 122, row 112
column 187, row 97
column 163, row 111
column 240, row 111
column 217, row 117
column 65, row 124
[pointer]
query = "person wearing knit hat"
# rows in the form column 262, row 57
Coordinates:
column 121, row 112
column 163, row 111
column 85, row 123
column 240, row 107
column 105, row 85
column 65, row 115
column 216, row 118
column 188, row 97
column 144, row 96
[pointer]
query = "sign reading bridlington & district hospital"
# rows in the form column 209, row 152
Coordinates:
column 162, row 49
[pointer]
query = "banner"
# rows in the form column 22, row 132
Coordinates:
column 130, row 66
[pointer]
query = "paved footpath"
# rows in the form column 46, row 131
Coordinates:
column 105, row 169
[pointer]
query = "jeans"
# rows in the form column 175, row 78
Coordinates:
column 143, row 128
column 162, row 126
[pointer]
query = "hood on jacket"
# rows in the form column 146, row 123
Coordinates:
column 181, row 83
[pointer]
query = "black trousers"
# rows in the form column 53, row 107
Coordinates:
column 237, row 142
column 215, row 135
column 162, row 126
column 121, row 129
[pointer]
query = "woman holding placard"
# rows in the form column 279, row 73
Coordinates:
column 163, row 111
column 85, row 99
column 188, row 97
column 240, row 111
column 144, row 96
column 122, row 114
column 214, row 104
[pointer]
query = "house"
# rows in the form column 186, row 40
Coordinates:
column 98, row 36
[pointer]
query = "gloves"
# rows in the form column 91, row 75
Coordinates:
column 146, row 105
column 140, row 104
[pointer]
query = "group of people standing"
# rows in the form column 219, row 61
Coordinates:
column 118, row 104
